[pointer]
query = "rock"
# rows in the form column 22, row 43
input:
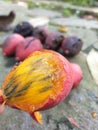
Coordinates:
column 76, row 22
column 43, row 12
column 89, row 36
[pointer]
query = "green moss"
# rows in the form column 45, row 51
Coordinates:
column 80, row 2
column 31, row 5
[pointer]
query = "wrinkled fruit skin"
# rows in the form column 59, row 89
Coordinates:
column 24, row 28
column 77, row 75
column 28, row 46
column 10, row 44
column 53, row 41
column 72, row 45
column 41, row 33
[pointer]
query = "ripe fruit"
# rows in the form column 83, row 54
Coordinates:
column 77, row 74
column 28, row 46
column 10, row 44
column 41, row 33
column 72, row 45
column 53, row 41
column 24, row 28
column 40, row 82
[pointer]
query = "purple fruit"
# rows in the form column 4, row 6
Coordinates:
column 41, row 33
column 72, row 45
column 24, row 28
column 54, row 40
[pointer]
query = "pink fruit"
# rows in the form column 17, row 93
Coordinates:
column 28, row 46
column 77, row 74
column 10, row 44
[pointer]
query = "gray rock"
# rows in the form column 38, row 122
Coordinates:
column 88, row 36
column 20, row 11
column 43, row 12
column 76, row 22
column 96, row 44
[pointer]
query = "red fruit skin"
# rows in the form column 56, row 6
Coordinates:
column 67, row 85
column 28, row 46
column 10, row 44
column 77, row 75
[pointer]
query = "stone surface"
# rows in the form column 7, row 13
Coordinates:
column 81, row 102
column 76, row 22
column 44, row 12
column 20, row 11
column 96, row 44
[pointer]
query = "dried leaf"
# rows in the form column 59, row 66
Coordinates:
column 73, row 122
column 92, row 60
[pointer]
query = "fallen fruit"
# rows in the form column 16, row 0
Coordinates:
column 24, row 28
column 40, row 82
column 28, row 46
column 72, row 45
column 10, row 44
column 77, row 74
column 53, row 41
column 40, row 32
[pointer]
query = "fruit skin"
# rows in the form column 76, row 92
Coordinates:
column 28, row 46
column 10, row 44
column 71, row 46
column 41, row 33
column 53, row 41
column 40, row 82
column 77, row 75
column 24, row 28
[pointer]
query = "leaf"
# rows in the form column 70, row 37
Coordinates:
column 92, row 60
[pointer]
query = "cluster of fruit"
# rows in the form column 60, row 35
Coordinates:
column 40, row 82
column 26, row 39
column 35, row 85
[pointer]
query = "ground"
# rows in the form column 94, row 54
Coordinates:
column 81, row 102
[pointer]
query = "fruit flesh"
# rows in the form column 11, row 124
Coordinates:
column 41, row 82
